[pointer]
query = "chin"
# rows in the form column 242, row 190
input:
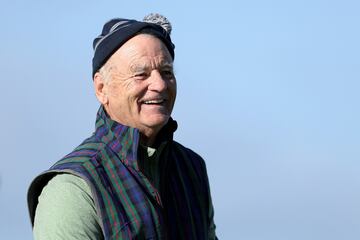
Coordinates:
column 157, row 121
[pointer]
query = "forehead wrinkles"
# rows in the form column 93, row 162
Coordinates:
column 146, row 63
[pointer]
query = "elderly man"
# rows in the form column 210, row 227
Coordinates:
column 129, row 179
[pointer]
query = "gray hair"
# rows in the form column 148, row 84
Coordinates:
column 106, row 71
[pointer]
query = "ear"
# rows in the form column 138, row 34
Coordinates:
column 100, row 88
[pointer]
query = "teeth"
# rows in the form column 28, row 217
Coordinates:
column 154, row 101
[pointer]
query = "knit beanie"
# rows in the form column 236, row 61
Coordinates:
column 119, row 30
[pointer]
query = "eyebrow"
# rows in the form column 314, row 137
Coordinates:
column 138, row 67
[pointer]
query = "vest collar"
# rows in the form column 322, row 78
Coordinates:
column 124, row 140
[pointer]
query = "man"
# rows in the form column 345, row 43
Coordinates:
column 129, row 180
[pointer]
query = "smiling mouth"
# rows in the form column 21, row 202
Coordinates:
column 154, row 101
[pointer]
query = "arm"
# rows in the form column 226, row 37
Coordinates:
column 66, row 211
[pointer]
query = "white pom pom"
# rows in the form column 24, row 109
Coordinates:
column 159, row 20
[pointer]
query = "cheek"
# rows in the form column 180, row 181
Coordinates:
column 114, row 89
column 117, row 99
column 137, row 90
column 120, row 91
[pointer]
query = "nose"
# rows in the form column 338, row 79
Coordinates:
column 157, row 82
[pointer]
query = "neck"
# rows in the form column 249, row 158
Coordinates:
column 148, row 138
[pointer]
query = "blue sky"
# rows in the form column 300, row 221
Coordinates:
column 268, row 94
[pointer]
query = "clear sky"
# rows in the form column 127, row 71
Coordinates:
column 268, row 94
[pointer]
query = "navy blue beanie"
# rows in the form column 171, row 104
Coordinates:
column 119, row 30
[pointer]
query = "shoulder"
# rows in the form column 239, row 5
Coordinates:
column 187, row 153
column 66, row 183
column 76, row 163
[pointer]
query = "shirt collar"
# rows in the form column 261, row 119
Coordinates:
column 124, row 140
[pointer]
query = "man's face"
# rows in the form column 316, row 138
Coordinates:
column 141, row 88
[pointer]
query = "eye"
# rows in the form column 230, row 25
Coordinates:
column 141, row 75
column 167, row 73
